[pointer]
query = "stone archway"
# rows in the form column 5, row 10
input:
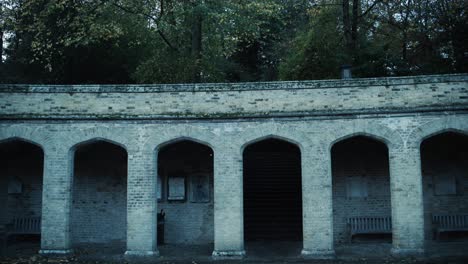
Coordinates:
column 272, row 191
column 21, row 184
column 99, row 204
column 361, row 187
column 185, row 192
column 444, row 169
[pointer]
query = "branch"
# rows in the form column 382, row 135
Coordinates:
column 153, row 18
column 370, row 8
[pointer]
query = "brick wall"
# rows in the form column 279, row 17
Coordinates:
column 99, row 209
column 398, row 111
column 301, row 98
column 359, row 156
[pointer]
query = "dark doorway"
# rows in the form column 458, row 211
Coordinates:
column 272, row 191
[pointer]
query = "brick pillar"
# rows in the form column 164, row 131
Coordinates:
column 317, row 205
column 407, row 200
column 228, row 203
column 141, row 203
column 56, row 201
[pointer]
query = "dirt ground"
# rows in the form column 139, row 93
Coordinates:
column 26, row 252
column 69, row 260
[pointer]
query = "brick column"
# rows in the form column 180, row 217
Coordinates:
column 407, row 200
column 56, row 201
column 141, row 203
column 228, row 203
column 317, row 205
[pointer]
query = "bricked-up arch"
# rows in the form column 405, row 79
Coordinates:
column 185, row 186
column 272, row 191
column 361, row 184
column 99, row 205
column 444, row 169
column 21, row 179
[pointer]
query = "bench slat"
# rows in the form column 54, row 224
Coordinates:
column 369, row 225
column 449, row 222
column 30, row 225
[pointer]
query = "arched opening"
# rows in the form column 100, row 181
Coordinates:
column 361, row 191
column 185, row 194
column 99, row 209
column 444, row 164
column 21, row 177
column 272, row 192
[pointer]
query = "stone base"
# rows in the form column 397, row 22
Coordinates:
column 138, row 253
column 55, row 251
column 234, row 254
column 318, row 254
column 407, row 252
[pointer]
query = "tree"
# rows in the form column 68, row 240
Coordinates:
column 172, row 41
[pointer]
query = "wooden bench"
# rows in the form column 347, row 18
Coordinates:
column 449, row 223
column 24, row 226
column 369, row 225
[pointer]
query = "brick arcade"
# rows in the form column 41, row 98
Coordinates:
column 234, row 163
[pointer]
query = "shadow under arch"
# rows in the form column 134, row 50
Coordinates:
column 374, row 137
column 176, row 140
column 272, row 193
column 98, row 169
column 455, row 131
column 185, row 180
column 360, row 171
column 20, row 139
column 22, row 163
column 271, row 137
column 444, row 169
column 96, row 140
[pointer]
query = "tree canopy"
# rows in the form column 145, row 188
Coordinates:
column 178, row 41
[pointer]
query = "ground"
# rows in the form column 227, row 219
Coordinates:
column 26, row 252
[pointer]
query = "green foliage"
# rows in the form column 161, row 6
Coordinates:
column 171, row 41
column 404, row 37
column 315, row 53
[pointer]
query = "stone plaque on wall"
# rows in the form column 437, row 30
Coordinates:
column 176, row 188
column 200, row 188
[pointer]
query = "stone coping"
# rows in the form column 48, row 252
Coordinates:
column 229, row 87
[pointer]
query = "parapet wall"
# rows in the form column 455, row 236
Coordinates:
column 237, row 100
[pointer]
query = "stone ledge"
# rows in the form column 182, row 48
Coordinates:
column 230, row 87
column 55, row 251
column 228, row 254
column 318, row 254
column 141, row 253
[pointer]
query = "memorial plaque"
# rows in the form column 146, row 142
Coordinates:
column 356, row 187
column 176, row 190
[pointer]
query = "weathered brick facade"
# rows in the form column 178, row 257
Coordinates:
column 314, row 115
